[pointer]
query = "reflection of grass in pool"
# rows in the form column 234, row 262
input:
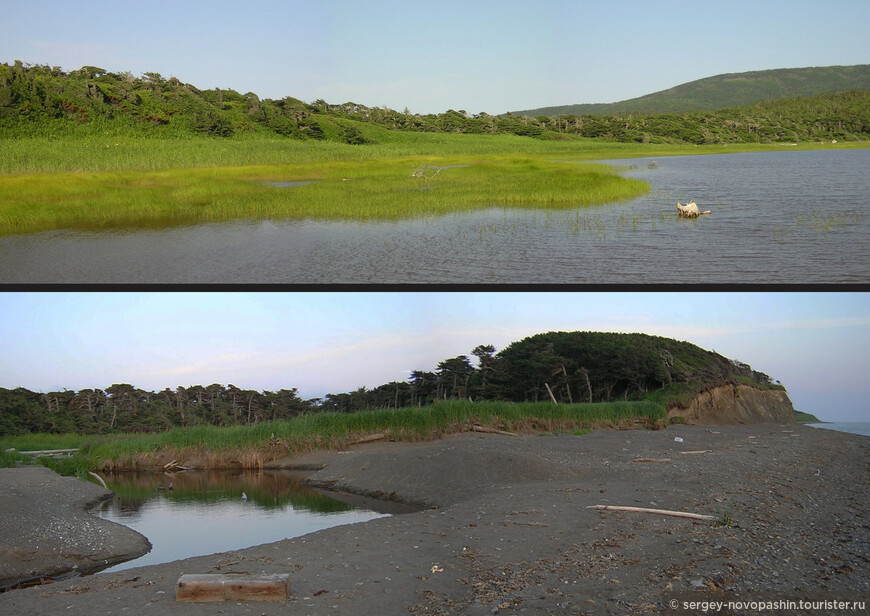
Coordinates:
column 355, row 190
column 264, row 490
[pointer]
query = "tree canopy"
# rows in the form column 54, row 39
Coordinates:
column 562, row 366
column 36, row 98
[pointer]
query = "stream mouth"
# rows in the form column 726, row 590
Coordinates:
column 195, row 513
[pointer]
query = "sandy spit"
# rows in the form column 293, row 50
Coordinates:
column 507, row 529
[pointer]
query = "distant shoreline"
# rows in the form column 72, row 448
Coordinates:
column 861, row 428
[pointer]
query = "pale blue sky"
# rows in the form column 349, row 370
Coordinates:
column 817, row 344
column 476, row 55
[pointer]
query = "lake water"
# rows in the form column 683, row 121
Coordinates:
column 777, row 217
column 204, row 512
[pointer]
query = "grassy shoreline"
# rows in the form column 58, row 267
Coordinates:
column 254, row 446
column 99, row 181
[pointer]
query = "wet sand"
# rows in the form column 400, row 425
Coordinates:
column 508, row 529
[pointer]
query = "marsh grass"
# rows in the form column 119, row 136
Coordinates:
column 344, row 190
column 826, row 221
column 102, row 177
column 255, row 446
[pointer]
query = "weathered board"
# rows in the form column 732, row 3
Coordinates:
column 206, row 587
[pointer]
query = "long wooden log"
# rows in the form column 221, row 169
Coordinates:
column 370, row 438
column 476, row 428
column 210, row 587
column 676, row 514
column 48, row 452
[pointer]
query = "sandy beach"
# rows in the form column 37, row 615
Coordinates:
column 507, row 528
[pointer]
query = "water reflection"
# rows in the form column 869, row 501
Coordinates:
column 203, row 512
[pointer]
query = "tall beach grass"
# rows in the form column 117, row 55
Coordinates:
column 254, row 446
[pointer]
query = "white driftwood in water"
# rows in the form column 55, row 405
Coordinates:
column 690, row 210
column 98, row 478
column 206, row 587
column 676, row 514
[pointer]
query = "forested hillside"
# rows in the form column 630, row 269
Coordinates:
column 40, row 100
column 565, row 366
column 728, row 90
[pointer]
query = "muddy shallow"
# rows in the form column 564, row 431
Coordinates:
column 509, row 529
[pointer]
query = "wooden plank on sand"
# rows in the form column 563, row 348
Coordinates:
column 208, row 587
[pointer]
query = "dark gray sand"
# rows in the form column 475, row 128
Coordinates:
column 508, row 529
column 45, row 528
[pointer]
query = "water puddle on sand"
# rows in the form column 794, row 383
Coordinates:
column 203, row 512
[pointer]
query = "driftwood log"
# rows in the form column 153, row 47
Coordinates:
column 370, row 438
column 690, row 210
column 676, row 514
column 98, row 478
column 487, row 430
column 210, row 587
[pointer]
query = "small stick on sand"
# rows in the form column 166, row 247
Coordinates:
column 662, row 460
column 676, row 514
column 689, row 453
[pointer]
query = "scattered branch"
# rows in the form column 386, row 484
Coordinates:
column 676, row 514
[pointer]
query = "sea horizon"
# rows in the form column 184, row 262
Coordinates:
column 853, row 427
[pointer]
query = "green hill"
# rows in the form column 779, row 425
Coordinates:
column 47, row 102
column 728, row 90
column 42, row 99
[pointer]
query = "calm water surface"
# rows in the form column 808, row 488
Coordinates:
column 204, row 512
column 777, row 217
column 855, row 427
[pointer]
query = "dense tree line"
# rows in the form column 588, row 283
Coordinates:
column 566, row 367
column 33, row 97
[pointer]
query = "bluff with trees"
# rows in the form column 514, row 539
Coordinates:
column 43, row 100
column 560, row 367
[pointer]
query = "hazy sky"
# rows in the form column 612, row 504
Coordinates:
column 476, row 55
column 817, row 344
